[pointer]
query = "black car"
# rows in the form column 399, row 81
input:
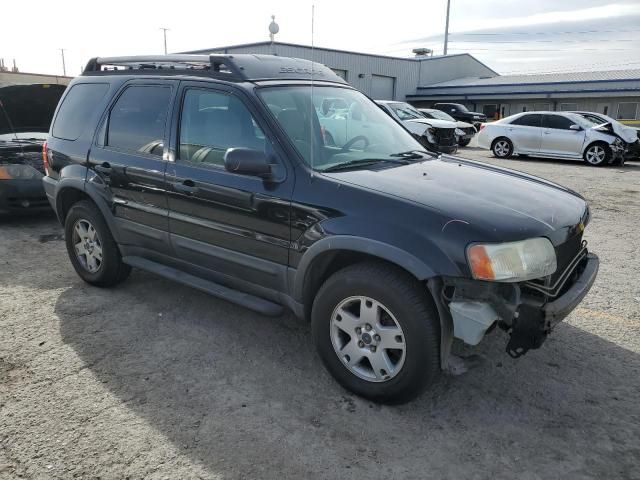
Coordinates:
column 25, row 115
column 460, row 112
column 214, row 171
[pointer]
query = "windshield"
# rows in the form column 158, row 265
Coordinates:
column 404, row 111
column 439, row 115
column 343, row 127
column 583, row 122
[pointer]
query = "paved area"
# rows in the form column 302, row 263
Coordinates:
column 155, row 380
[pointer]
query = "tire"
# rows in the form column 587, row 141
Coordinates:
column 597, row 154
column 502, row 147
column 464, row 143
column 85, row 225
column 400, row 301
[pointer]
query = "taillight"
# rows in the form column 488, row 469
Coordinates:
column 45, row 158
column 482, row 125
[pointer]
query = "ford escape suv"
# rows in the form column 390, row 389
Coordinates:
column 216, row 171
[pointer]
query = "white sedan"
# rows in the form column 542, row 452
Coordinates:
column 552, row 135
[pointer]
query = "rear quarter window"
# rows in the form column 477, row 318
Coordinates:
column 78, row 107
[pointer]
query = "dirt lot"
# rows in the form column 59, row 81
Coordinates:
column 156, row 380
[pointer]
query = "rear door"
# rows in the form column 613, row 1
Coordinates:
column 234, row 225
column 526, row 133
column 129, row 160
column 558, row 139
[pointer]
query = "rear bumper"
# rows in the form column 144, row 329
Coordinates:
column 22, row 196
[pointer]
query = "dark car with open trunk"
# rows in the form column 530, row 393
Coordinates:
column 217, row 172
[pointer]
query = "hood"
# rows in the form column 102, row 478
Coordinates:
column 491, row 203
column 419, row 126
column 29, row 108
column 628, row 134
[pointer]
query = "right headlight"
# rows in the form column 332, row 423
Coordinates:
column 513, row 261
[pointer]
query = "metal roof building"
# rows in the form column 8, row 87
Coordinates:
column 462, row 78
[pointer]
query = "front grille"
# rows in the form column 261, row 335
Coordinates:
column 445, row 137
column 565, row 253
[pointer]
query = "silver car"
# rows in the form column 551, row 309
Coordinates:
column 552, row 135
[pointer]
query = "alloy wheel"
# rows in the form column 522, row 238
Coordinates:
column 368, row 339
column 87, row 245
column 501, row 148
column 596, row 155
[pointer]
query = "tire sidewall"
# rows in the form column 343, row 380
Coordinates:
column 419, row 354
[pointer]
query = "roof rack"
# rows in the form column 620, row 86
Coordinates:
column 240, row 67
column 210, row 65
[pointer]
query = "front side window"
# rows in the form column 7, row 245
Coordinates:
column 531, row 120
column 137, row 120
column 354, row 128
column 557, row 122
column 212, row 122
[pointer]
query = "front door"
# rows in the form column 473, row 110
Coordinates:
column 129, row 160
column 234, row 225
column 558, row 139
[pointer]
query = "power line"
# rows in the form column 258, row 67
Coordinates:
column 550, row 41
column 579, row 32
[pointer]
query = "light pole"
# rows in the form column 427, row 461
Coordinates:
column 64, row 68
column 164, row 32
column 446, row 28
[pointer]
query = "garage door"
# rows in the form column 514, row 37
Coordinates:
column 382, row 87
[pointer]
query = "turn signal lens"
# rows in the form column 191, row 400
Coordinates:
column 512, row 262
column 45, row 158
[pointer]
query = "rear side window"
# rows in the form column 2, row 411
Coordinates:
column 557, row 121
column 137, row 120
column 531, row 120
column 77, row 108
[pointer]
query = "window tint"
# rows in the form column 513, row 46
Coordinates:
column 137, row 120
column 558, row 122
column 77, row 109
column 211, row 123
column 532, row 120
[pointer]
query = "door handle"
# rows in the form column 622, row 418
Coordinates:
column 187, row 186
column 547, row 133
column 104, row 168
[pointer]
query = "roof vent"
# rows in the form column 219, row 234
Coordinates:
column 423, row 52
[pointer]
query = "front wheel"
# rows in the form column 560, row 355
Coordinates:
column 464, row 143
column 377, row 332
column 597, row 154
column 502, row 147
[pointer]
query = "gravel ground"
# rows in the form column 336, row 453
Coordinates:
column 155, row 380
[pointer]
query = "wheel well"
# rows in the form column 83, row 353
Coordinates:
column 328, row 264
column 500, row 138
column 598, row 142
column 66, row 198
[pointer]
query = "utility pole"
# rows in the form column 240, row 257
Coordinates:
column 164, row 32
column 446, row 28
column 64, row 68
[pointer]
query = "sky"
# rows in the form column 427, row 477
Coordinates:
column 510, row 36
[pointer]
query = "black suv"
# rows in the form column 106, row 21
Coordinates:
column 461, row 113
column 215, row 171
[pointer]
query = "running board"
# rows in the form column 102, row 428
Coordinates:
column 246, row 300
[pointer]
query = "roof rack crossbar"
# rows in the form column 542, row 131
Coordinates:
column 216, row 64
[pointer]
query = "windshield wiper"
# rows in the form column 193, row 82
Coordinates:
column 362, row 162
column 413, row 154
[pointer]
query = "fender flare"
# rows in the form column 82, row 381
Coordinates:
column 96, row 196
column 384, row 251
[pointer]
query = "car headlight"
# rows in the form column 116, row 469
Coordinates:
column 513, row 261
column 459, row 132
column 477, row 117
column 430, row 134
column 19, row 171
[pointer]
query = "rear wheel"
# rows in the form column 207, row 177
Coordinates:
column 597, row 154
column 377, row 332
column 93, row 252
column 502, row 147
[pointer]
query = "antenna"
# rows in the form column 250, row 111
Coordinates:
column 313, row 12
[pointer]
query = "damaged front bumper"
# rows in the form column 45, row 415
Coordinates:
column 528, row 311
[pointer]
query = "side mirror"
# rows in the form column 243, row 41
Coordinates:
column 575, row 127
column 246, row 161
